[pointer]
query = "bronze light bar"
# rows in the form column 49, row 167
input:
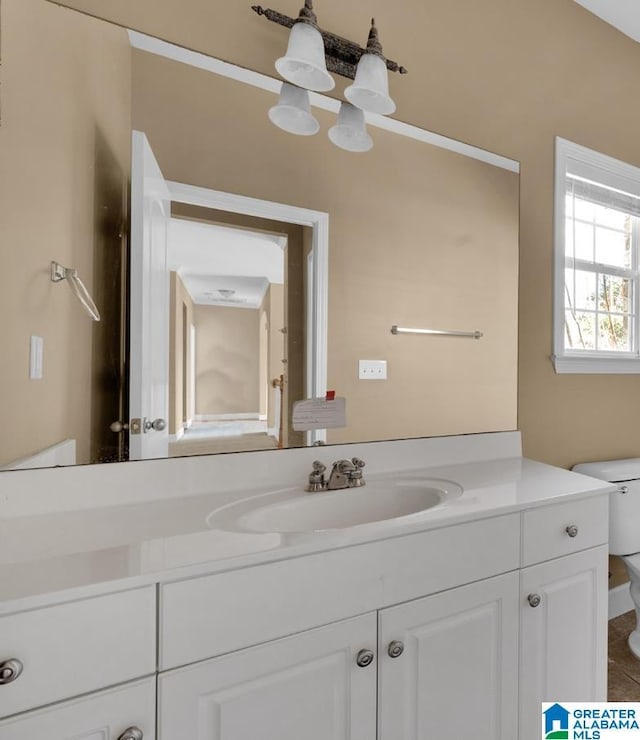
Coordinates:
column 342, row 55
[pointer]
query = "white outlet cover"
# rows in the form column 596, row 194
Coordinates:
column 372, row 369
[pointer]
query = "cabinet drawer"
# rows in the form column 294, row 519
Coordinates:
column 105, row 715
column 546, row 532
column 74, row 648
column 209, row 616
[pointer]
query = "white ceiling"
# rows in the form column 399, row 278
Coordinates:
column 211, row 258
column 623, row 14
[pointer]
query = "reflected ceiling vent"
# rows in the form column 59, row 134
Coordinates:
column 239, row 291
column 224, row 296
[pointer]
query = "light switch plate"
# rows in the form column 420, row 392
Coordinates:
column 36, row 351
column 372, row 369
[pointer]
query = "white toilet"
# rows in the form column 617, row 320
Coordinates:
column 624, row 523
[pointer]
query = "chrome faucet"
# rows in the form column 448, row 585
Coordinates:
column 344, row 474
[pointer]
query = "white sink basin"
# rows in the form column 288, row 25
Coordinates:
column 292, row 511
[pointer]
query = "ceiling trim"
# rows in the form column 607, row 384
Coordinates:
column 264, row 82
column 621, row 14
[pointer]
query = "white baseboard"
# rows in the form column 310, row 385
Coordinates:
column 253, row 416
column 619, row 600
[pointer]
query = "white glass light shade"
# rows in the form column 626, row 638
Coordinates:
column 350, row 132
column 293, row 112
column 304, row 63
column 370, row 89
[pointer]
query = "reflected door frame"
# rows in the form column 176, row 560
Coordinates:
column 318, row 222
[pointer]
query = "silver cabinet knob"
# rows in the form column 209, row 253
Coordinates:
column 572, row 530
column 534, row 600
column 158, row 425
column 132, row 733
column 395, row 649
column 10, row 670
column 364, row 658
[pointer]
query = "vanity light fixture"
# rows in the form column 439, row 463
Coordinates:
column 304, row 63
column 59, row 273
column 311, row 54
column 370, row 89
column 350, row 132
column 293, row 112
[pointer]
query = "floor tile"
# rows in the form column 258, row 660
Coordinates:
column 624, row 667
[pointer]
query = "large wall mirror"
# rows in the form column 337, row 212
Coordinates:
column 284, row 261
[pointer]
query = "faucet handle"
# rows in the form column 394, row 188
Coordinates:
column 355, row 476
column 316, row 477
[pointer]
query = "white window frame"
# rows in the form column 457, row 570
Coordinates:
column 612, row 173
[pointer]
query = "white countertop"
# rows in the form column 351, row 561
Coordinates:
column 63, row 555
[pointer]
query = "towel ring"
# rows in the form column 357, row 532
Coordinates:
column 70, row 274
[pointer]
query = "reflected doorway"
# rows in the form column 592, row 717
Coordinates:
column 291, row 350
column 226, row 379
column 233, row 285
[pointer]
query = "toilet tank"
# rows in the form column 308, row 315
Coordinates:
column 624, row 504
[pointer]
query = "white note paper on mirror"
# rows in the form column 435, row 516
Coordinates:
column 318, row 413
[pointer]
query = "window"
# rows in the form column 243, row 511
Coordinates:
column 597, row 244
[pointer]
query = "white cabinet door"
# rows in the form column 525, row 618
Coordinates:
column 106, row 715
column 457, row 675
column 563, row 640
column 304, row 687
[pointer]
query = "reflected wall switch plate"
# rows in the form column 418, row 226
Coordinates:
column 372, row 369
column 36, row 350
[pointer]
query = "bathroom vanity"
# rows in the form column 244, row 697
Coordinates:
column 130, row 619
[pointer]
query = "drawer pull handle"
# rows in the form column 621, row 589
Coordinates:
column 534, row 600
column 572, row 530
column 132, row 733
column 10, row 670
column 364, row 658
column 395, row 649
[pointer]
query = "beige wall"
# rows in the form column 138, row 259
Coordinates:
column 181, row 305
column 438, row 251
column 295, row 347
column 508, row 75
column 227, row 360
column 52, row 135
column 263, row 367
column 276, row 353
